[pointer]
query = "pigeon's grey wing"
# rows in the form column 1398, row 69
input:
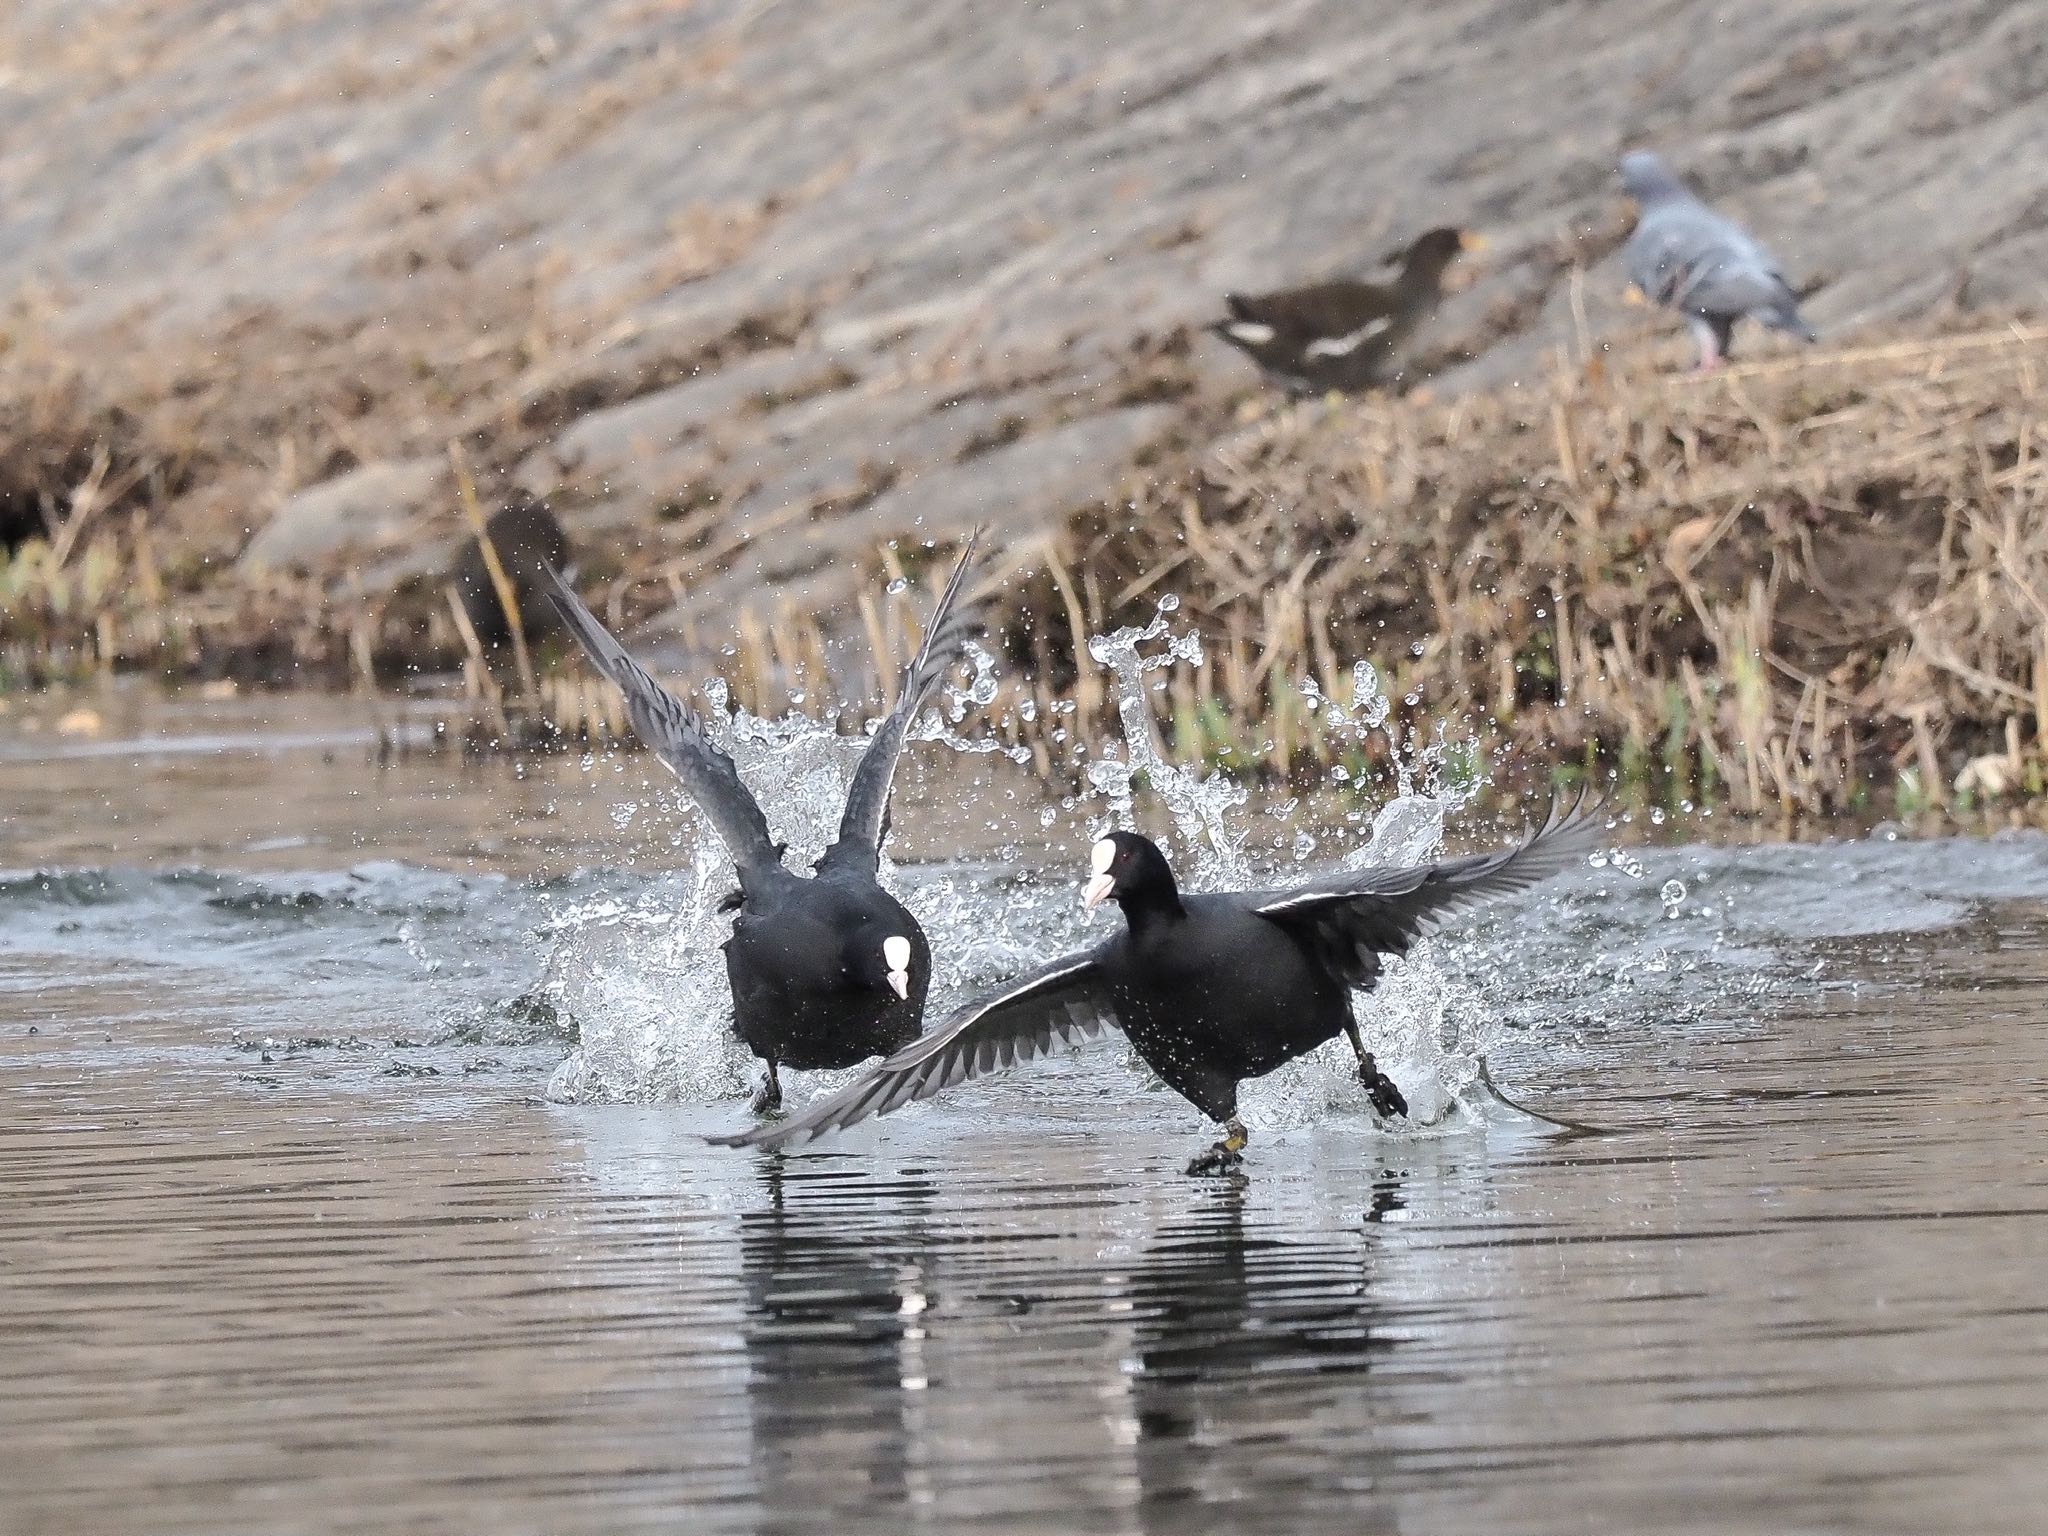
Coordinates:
column 1062, row 1004
column 1354, row 917
column 673, row 733
column 866, row 817
column 1693, row 259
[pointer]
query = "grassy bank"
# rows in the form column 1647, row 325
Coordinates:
column 1816, row 582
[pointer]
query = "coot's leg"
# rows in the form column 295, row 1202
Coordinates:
column 1379, row 1088
column 767, row 1098
column 1226, row 1154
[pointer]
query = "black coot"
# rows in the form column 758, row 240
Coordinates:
column 529, row 542
column 1210, row 989
column 826, row 970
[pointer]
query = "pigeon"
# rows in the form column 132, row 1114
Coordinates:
column 1343, row 334
column 1710, row 269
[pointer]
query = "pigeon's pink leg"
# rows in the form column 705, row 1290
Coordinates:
column 1710, row 347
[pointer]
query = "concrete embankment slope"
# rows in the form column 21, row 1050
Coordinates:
column 747, row 286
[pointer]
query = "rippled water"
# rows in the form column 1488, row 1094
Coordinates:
column 292, row 1238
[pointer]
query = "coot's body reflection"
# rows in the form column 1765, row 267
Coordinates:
column 834, row 1285
column 1253, row 1345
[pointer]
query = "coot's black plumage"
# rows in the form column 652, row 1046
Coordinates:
column 828, row 970
column 1210, row 989
column 529, row 542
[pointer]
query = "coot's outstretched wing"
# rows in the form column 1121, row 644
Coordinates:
column 866, row 818
column 1349, row 921
column 674, row 734
column 1060, row 1005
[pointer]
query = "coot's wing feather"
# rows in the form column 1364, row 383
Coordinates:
column 866, row 818
column 1353, row 918
column 673, row 733
column 1062, row 1004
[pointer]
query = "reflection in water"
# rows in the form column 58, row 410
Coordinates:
column 1251, row 1348
column 833, row 1270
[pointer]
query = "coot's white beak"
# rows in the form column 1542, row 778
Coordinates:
column 896, row 954
column 1100, row 857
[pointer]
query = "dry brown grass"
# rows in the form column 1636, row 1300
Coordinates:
column 1810, row 583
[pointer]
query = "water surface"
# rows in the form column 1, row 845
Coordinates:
column 293, row 1239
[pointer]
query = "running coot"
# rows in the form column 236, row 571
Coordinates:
column 826, row 970
column 1210, row 989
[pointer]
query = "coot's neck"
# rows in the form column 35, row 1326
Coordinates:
column 1154, row 903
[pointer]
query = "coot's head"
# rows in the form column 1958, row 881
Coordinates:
column 1130, row 870
column 885, row 962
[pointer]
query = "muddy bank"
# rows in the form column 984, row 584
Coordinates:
column 777, row 264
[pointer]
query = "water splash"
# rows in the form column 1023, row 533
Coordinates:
column 941, row 725
column 1201, row 808
column 645, row 982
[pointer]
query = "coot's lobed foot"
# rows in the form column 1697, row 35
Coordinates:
column 1219, row 1159
column 1384, row 1095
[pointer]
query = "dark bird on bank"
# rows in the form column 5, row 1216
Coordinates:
column 1343, row 334
column 1210, row 989
column 826, row 969
column 1686, row 257
column 529, row 543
